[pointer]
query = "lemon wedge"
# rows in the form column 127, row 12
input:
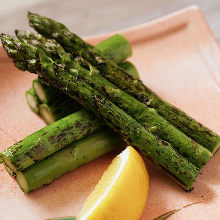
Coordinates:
column 122, row 191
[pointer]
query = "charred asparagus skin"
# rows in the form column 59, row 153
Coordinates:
column 160, row 152
column 71, row 157
column 32, row 100
column 28, row 161
column 49, row 139
column 51, row 110
column 77, row 47
column 8, row 158
column 148, row 117
column 115, row 48
column 55, row 110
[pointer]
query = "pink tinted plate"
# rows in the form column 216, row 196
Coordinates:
column 178, row 57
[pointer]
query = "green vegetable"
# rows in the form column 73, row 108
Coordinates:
column 116, row 48
column 77, row 47
column 50, row 139
column 74, row 155
column 129, row 67
column 45, row 93
column 162, row 154
column 148, row 117
column 8, row 156
column 10, row 172
column 32, row 100
column 58, row 109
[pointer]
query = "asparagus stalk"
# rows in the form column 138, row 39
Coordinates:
column 160, row 152
column 148, row 117
column 130, row 68
column 131, row 131
column 45, row 93
column 10, row 159
column 77, row 47
column 10, row 172
column 59, row 108
column 49, row 139
column 71, row 157
column 48, row 112
column 32, row 100
column 116, row 48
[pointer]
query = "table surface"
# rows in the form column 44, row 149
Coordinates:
column 88, row 18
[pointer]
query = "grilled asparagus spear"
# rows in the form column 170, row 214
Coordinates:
column 77, row 47
column 22, row 160
column 50, row 139
column 33, row 58
column 52, row 112
column 71, row 157
column 58, row 109
column 148, row 117
column 117, row 48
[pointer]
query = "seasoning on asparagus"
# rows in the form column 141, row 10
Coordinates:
column 160, row 152
column 116, row 48
column 77, row 47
